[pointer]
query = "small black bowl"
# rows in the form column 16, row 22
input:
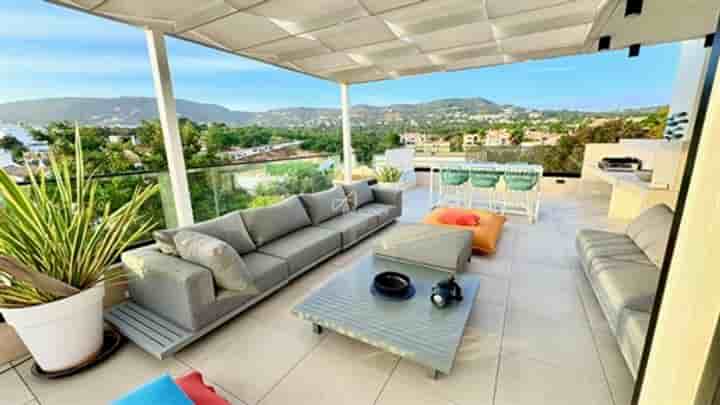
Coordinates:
column 392, row 284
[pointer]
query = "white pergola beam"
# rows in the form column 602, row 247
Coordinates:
column 346, row 134
column 169, row 122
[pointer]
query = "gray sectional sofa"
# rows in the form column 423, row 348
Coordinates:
column 276, row 243
column 624, row 271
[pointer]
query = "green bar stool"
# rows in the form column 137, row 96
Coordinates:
column 484, row 178
column 524, row 181
column 452, row 185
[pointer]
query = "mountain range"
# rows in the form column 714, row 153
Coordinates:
column 130, row 111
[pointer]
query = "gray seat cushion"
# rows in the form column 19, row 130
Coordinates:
column 627, row 286
column 304, row 247
column 650, row 232
column 267, row 271
column 359, row 194
column 269, row 223
column 351, row 226
column 631, row 336
column 325, row 204
column 382, row 212
column 594, row 245
column 229, row 228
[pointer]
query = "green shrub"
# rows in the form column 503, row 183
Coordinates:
column 265, row 200
column 388, row 174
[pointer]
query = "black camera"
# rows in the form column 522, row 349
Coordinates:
column 446, row 292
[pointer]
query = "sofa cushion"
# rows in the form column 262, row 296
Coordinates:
column 486, row 232
column 162, row 390
column 651, row 231
column 267, row 271
column 351, row 226
column 628, row 286
column 200, row 393
column 631, row 336
column 269, row 223
column 229, row 270
column 595, row 245
column 359, row 194
column 325, row 204
column 304, row 247
column 229, row 228
column 382, row 212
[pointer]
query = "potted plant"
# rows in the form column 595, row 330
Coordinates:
column 388, row 176
column 56, row 247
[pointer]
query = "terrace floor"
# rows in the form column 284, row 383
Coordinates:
column 536, row 336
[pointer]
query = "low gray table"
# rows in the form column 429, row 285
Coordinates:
column 413, row 329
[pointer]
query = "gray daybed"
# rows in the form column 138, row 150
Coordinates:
column 174, row 301
column 624, row 271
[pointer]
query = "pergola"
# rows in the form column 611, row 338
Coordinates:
column 359, row 41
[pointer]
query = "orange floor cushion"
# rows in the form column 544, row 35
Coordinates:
column 486, row 228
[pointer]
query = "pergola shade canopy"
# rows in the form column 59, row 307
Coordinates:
column 356, row 41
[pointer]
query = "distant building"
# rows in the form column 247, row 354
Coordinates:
column 542, row 137
column 497, row 137
column 413, row 138
column 472, row 139
column 535, row 115
column 123, row 138
column 391, row 115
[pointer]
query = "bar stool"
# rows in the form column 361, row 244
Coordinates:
column 522, row 180
column 484, row 178
column 452, row 185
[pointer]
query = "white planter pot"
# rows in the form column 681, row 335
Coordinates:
column 391, row 186
column 62, row 334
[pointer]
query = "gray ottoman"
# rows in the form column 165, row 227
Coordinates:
column 432, row 246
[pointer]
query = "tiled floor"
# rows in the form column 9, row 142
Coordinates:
column 536, row 336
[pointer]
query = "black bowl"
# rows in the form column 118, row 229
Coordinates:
column 392, row 284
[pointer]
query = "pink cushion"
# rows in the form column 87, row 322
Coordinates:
column 201, row 394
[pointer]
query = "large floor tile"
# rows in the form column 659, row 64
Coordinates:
column 249, row 356
column 120, row 374
column 471, row 381
column 563, row 343
column 12, row 389
column 339, row 371
column 523, row 380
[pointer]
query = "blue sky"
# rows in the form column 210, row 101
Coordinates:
column 49, row 51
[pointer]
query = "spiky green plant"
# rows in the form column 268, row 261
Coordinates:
column 388, row 174
column 56, row 240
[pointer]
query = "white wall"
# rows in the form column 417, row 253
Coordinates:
column 692, row 67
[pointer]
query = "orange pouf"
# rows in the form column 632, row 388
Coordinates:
column 485, row 234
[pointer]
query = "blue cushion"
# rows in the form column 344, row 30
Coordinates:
column 162, row 391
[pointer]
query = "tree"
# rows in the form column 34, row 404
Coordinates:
column 517, row 135
column 14, row 146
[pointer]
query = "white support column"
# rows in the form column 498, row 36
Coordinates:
column 346, row 138
column 169, row 123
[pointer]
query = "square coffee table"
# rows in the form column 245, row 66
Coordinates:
column 413, row 329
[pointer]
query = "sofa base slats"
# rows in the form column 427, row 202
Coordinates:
column 146, row 329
